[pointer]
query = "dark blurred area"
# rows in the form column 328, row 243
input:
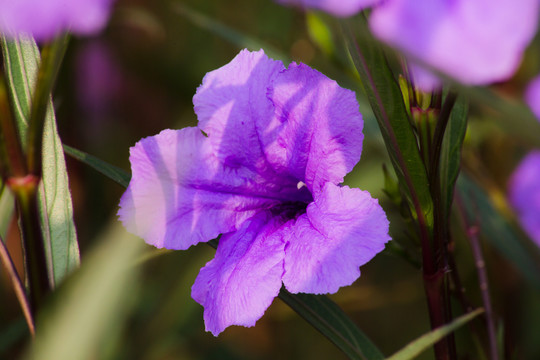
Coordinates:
column 137, row 78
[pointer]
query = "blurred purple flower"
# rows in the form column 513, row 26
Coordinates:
column 475, row 41
column 46, row 18
column 524, row 193
column 532, row 96
column 99, row 82
column 263, row 168
column 341, row 8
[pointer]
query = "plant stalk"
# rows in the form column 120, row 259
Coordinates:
column 25, row 190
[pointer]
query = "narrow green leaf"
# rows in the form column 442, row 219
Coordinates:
column 514, row 117
column 424, row 342
column 328, row 318
column 112, row 172
column 92, row 304
column 21, row 60
column 7, row 208
column 498, row 230
column 451, row 152
column 239, row 39
column 386, row 100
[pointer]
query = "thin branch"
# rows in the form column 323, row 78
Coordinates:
column 17, row 286
column 472, row 232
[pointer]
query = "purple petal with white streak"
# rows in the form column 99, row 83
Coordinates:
column 316, row 132
column 181, row 194
column 240, row 283
column 341, row 230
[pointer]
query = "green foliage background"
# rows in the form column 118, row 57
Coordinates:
column 158, row 53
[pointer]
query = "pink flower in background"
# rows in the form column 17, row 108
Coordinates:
column 263, row 168
column 341, row 8
column 474, row 41
column 44, row 19
column 524, row 193
column 532, row 96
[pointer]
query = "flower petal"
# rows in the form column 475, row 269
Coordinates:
column 240, row 283
column 469, row 40
column 524, row 193
column 44, row 19
column 316, row 132
column 532, row 96
column 228, row 104
column 341, row 230
column 180, row 194
column 341, row 8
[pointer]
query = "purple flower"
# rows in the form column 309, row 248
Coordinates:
column 263, row 168
column 474, row 41
column 524, row 193
column 46, row 18
column 341, row 8
column 532, row 96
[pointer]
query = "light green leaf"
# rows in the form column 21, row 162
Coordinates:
column 21, row 60
column 424, row 342
column 320, row 33
column 7, row 207
column 92, row 304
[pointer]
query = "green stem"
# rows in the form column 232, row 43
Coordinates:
column 440, row 227
column 51, row 58
column 25, row 190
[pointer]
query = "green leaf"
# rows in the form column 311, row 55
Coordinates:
column 92, row 305
column 237, row 38
column 328, row 318
column 112, row 172
column 421, row 344
column 451, row 152
column 7, row 208
column 386, row 100
column 320, row 33
column 498, row 229
column 21, row 60
column 514, row 117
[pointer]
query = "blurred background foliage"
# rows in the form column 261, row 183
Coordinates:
column 138, row 78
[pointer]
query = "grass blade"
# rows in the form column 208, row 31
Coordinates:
column 424, row 342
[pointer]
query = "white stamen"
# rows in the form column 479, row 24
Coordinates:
column 300, row 185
